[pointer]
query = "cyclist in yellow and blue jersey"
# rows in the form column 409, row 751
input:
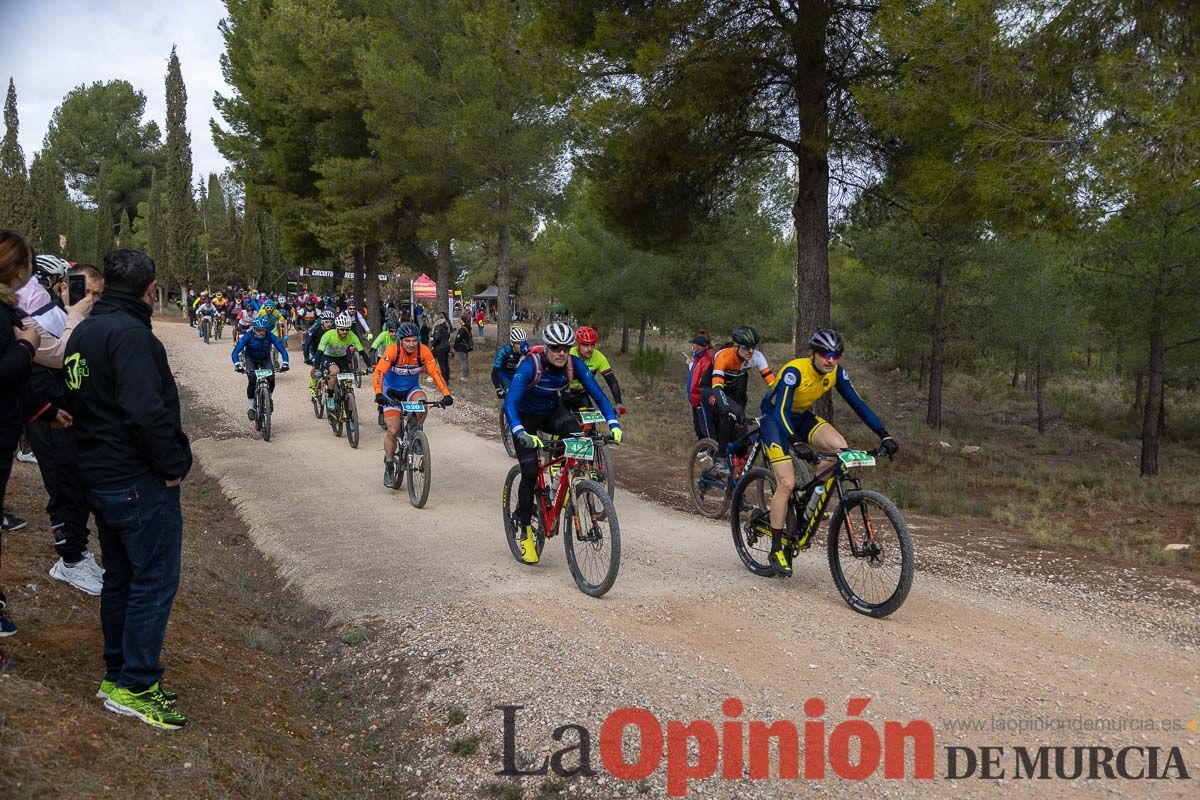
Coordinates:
column 788, row 421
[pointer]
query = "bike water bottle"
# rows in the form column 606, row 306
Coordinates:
column 814, row 501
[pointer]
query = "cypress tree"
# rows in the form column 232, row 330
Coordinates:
column 104, row 214
column 16, row 207
column 180, row 206
column 49, row 193
column 125, row 234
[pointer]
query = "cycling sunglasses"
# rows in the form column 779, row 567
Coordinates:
column 559, row 348
column 828, row 356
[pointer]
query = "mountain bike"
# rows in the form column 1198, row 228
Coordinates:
column 869, row 548
column 262, row 402
column 602, row 467
column 317, row 394
column 412, row 449
column 206, row 327
column 711, row 489
column 345, row 409
column 566, row 496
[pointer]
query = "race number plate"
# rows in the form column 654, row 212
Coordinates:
column 857, row 458
column 414, row 407
column 263, row 373
column 345, row 377
column 580, row 449
column 591, row 417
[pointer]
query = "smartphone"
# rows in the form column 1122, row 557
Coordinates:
column 76, row 288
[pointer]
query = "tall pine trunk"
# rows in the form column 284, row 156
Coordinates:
column 810, row 210
column 933, row 418
column 502, row 284
column 445, row 291
column 358, row 276
column 1016, row 367
column 1040, row 387
column 642, row 335
column 371, row 259
column 624, row 339
column 1152, row 410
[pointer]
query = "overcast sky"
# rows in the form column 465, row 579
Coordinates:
column 52, row 46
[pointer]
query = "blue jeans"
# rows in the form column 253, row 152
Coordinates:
column 141, row 534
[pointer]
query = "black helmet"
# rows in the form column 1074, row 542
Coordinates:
column 745, row 336
column 826, row 340
column 407, row 330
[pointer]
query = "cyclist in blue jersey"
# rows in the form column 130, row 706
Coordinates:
column 253, row 352
column 534, row 403
column 507, row 359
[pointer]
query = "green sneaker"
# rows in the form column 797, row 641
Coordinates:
column 107, row 686
column 150, row 706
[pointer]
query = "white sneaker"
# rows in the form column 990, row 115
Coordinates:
column 26, row 458
column 89, row 561
column 79, row 575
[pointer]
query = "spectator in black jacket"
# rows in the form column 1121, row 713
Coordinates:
column 439, row 343
column 464, row 343
column 133, row 455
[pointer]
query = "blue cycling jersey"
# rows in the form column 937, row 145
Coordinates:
column 507, row 360
column 536, row 387
column 258, row 349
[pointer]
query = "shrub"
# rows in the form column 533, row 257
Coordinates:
column 648, row 367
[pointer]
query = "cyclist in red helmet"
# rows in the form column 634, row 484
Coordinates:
column 576, row 397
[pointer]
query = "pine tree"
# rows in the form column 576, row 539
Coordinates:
column 49, row 193
column 16, row 207
column 157, row 238
column 252, row 244
column 180, row 207
column 104, row 214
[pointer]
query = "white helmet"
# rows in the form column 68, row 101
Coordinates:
column 517, row 335
column 327, row 314
column 343, row 321
column 558, row 334
column 51, row 266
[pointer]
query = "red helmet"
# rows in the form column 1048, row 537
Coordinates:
column 586, row 335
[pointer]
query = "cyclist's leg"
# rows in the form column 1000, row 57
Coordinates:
column 561, row 422
column 779, row 456
column 392, row 417
column 417, row 395
column 528, row 459
column 825, row 438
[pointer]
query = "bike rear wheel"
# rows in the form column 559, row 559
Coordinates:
column 351, row 411
column 263, row 401
column 750, row 505
column 592, row 537
column 603, row 468
column 710, row 492
column 357, row 371
column 874, row 572
column 508, row 508
column 510, row 447
column 419, row 469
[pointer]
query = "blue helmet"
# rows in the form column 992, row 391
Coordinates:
column 262, row 324
column 269, row 303
column 408, row 331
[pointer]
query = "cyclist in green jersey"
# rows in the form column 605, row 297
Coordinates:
column 576, row 397
column 334, row 350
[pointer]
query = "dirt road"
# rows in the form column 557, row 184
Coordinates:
column 992, row 656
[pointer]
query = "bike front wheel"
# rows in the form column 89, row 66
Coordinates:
column 871, row 554
column 350, row 408
column 419, row 468
column 710, row 491
column 750, row 510
column 592, row 537
column 508, row 510
column 263, row 401
column 510, row 447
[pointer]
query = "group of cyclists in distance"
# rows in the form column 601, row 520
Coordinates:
column 543, row 386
